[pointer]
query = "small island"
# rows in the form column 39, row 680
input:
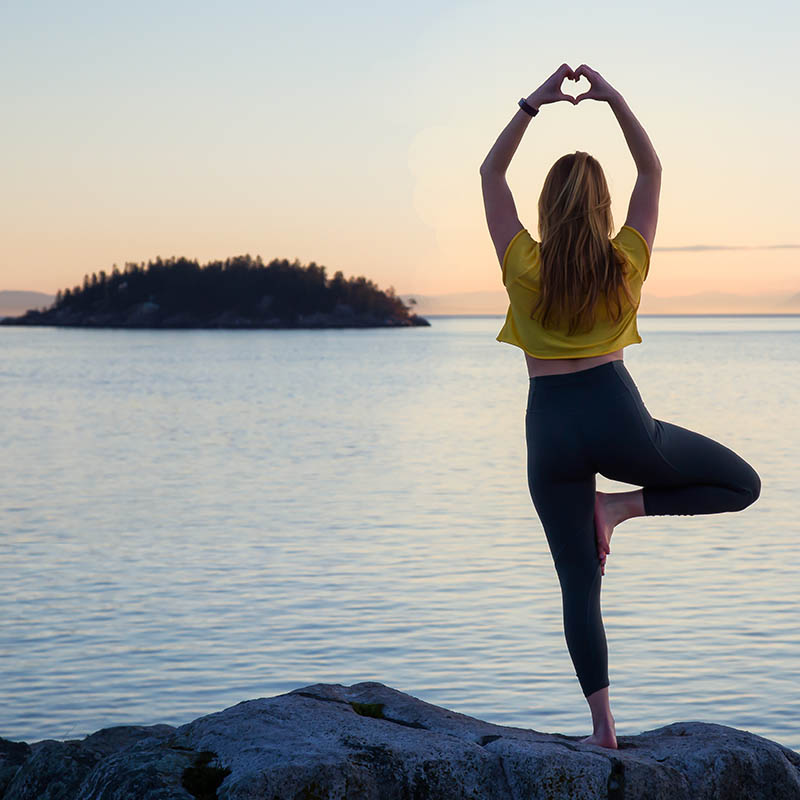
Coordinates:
column 240, row 292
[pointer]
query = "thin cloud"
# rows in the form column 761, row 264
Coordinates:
column 693, row 248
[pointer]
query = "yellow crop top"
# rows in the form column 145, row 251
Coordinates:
column 521, row 267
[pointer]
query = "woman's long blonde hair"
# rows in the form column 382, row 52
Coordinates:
column 579, row 265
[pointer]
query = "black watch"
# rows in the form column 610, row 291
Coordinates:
column 523, row 104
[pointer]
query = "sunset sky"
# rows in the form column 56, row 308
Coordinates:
column 350, row 134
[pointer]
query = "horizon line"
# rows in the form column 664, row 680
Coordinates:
column 703, row 247
column 651, row 314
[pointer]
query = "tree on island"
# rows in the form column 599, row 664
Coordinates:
column 237, row 292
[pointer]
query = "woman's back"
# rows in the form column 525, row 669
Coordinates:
column 554, row 350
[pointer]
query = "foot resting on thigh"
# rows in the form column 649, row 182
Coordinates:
column 609, row 510
column 604, row 523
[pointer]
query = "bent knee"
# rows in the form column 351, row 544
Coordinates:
column 751, row 490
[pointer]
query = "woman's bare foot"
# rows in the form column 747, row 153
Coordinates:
column 603, row 725
column 604, row 737
column 609, row 510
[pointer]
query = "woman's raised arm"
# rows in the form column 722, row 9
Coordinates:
column 643, row 208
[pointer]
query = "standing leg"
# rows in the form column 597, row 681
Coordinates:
column 562, row 487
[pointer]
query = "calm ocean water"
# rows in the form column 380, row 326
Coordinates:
column 189, row 519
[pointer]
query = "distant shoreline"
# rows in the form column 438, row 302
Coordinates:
column 494, row 304
column 9, row 321
column 224, row 321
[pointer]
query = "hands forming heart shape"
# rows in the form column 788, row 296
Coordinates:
column 551, row 92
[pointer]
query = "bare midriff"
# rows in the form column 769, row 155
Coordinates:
column 558, row 366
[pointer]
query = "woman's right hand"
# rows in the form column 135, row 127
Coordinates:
column 600, row 88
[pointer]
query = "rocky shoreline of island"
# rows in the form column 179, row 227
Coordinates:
column 150, row 315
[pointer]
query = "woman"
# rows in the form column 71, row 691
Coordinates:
column 573, row 303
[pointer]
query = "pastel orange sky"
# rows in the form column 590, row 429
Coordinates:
column 352, row 136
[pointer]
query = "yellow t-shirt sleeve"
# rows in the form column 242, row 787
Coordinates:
column 632, row 243
column 520, row 256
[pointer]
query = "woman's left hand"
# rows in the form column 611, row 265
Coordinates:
column 550, row 90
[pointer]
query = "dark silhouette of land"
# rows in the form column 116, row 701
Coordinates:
column 239, row 292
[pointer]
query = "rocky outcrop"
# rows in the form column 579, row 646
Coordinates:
column 371, row 742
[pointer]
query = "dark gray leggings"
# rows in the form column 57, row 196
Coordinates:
column 581, row 423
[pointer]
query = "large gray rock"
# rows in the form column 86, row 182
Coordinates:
column 371, row 742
